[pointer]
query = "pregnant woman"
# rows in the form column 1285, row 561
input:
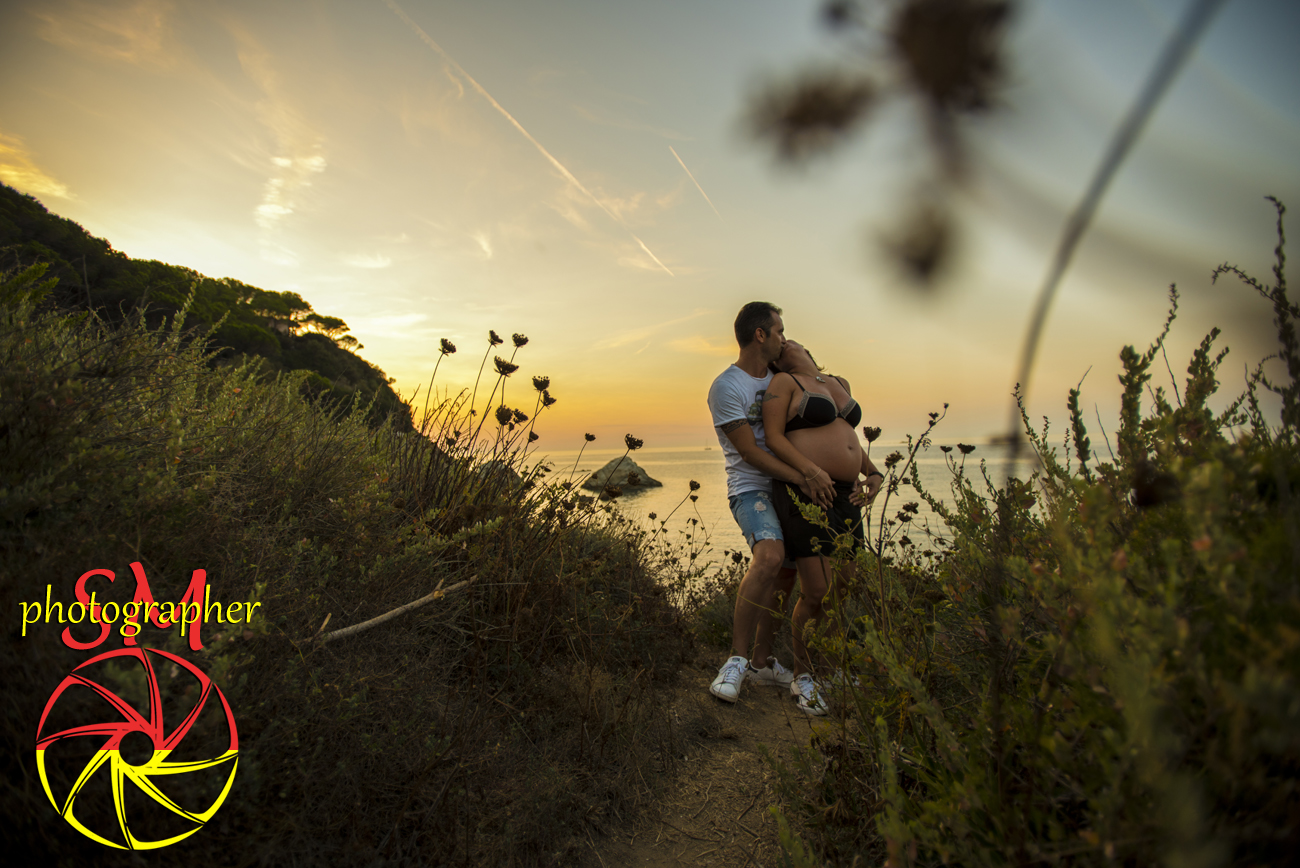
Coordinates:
column 810, row 419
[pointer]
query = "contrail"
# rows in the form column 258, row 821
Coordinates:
column 568, row 176
column 695, row 182
column 652, row 256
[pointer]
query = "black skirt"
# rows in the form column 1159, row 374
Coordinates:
column 803, row 538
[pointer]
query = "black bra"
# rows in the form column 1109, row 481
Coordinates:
column 816, row 410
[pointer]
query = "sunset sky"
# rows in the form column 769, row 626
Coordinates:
column 578, row 171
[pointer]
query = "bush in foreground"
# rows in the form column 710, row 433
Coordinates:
column 1103, row 667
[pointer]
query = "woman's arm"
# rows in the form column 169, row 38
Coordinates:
column 868, row 486
column 776, row 406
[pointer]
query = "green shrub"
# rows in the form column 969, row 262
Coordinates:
column 501, row 724
column 1103, row 665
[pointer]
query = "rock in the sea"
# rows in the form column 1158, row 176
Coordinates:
column 622, row 473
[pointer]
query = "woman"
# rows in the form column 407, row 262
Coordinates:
column 810, row 421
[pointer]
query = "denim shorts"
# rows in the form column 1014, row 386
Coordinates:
column 756, row 515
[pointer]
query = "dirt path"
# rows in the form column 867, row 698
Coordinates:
column 716, row 810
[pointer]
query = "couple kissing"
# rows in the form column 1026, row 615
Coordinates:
column 788, row 434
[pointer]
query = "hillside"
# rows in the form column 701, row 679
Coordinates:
column 280, row 327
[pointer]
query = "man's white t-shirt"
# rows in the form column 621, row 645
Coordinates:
column 736, row 395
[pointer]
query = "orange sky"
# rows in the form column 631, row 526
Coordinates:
column 575, row 171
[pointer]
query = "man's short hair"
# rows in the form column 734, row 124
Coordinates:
column 755, row 315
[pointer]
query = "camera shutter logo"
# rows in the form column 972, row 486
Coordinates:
column 150, row 775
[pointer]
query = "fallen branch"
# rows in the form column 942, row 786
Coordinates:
column 344, row 632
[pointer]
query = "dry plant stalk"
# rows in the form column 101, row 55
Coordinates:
column 344, row 632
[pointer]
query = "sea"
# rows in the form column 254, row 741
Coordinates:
column 677, row 467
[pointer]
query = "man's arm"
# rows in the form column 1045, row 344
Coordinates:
column 742, row 437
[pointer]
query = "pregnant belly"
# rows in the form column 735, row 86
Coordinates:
column 834, row 448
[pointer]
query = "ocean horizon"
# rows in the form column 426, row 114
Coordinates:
column 676, row 467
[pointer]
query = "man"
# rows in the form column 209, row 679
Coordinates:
column 736, row 404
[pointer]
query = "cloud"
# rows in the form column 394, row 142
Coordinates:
column 697, row 345
column 368, row 260
column 630, row 125
column 300, row 150
column 134, row 32
column 550, row 158
column 693, row 181
column 638, row 335
column 19, row 170
column 483, row 242
column 391, row 324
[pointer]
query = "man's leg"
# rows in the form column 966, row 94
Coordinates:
column 766, row 628
column 751, row 633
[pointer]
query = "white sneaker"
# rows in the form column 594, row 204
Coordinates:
column 732, row 674
column 806, row 695
column 774, row 675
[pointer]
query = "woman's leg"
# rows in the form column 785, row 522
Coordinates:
column 820, row 608
column 809, row 611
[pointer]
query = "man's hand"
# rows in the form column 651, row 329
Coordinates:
column 820, row 489
column 817, row 495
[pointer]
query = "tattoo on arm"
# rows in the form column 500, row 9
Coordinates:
column 728, row 427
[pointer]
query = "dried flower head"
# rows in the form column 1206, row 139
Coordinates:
column 653, row 516
column 737, row 557
column 446, row 347
column 808, row 116
column 503, row 415
column 951, row 50
column 695, row 486
column 519, row 416
column 533, row 436
column 839, row 14
column 892, row 459
column 589, row 437
column 519, row 339
column 633, row 443
column 541, row 384
column 547, row 400
column 694, row 497
column 924, row 244
column 494, row 339
column 945, row 448
column 504, row 368
column 633, row 478
column 613, row 491
column 872, row 434
column 966, row 449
